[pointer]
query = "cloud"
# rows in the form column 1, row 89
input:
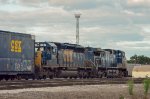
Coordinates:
column 139, row 2
column 117, row 24
column 134, row 44
column 131, row 13
column 65, row 3
column 3, row 1
column 40, row 16
column 131, row 47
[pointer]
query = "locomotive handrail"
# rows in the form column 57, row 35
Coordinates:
column 94, row 65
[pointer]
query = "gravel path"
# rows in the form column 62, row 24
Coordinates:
column 74, row 92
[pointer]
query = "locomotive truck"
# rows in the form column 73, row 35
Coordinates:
column 22, row 57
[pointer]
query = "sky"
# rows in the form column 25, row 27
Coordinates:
column 114, row 24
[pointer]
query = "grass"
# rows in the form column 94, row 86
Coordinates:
column 121, row 97
column 130, row 87
column 146, row 84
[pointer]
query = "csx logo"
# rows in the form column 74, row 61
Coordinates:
column 16, row 46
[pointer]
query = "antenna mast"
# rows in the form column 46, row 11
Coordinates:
column 77, row 16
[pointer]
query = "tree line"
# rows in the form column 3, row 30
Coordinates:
column 139, row 59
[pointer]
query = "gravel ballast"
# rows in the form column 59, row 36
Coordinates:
column 75, row 92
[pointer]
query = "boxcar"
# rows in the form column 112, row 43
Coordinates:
column 16, row 54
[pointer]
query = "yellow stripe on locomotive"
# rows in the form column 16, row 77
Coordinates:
column 68, row 55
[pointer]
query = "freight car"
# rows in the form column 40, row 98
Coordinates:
column 16, row 55
column 22, row 57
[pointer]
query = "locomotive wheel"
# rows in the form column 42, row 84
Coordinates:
column 80, row 77
column 26, row 78
column 33, row 77
column 75, row 77
column 44, row 77
column 19, row 77
column 81, row 74
column 100, row 76
column 6, row 78
column 1, row 78
column 84, row 77
column 70, row 77
column 51, row 77
column 39, row 78
column 88, row 77
column 65, row 77
column 12, row 78
column 121, row 74
column 126, row 74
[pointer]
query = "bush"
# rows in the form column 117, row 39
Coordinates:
column 131, row 86
column 146, row 86
column 121, row 97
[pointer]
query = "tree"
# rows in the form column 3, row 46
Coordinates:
column 141, row 59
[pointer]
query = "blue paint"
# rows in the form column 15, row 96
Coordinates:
column 15, row 61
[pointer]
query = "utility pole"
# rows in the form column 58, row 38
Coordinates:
column 77, row 16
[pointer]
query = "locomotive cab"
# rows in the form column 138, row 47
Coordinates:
column 46, row 53
column 45, row 59
column 120, row 59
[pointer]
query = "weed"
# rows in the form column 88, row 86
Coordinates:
column 121, row 97
column 131, row 86
column 146, row 83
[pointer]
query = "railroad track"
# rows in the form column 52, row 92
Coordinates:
column 19, row 84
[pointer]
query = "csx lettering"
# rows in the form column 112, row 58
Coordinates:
column 16, row 46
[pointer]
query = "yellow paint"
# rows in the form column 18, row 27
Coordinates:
column 38, row 58
column 12, row 45
column 68, row 55
column 16, row 46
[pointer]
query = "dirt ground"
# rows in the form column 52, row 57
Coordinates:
column 75, row 92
